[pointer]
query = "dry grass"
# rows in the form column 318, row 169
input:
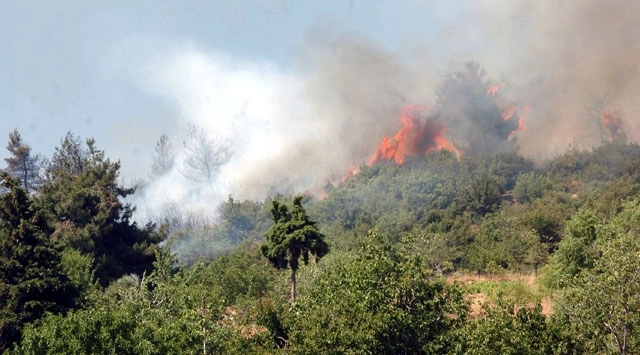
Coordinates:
column 523, row 290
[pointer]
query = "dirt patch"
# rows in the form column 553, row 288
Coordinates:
column 476, row 300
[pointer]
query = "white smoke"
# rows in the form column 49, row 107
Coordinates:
column 293, row 131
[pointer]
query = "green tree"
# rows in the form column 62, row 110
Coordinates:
column 173, row 310
column 376, row 300
column 599, row 295
column 32, row 281
column 292, row 236
column 83, row 202
column 603, row 303
column 576, row 252
column 504, row 328
column 482, row 194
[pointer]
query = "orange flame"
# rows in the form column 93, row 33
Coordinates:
column 353, row 171
column 512, row 110
column 508, row 112
column 522, row 119
column 416, row 137
column 492, row 90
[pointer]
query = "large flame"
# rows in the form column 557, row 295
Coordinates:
column 511, row 110
column 522, row 113
column 416, row 137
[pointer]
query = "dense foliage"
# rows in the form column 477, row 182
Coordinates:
column 395, row 232
column 292, row 236
column 32, row 281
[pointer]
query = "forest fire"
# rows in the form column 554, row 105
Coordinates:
column 353, row 171
column 512, row 110
column 493, row 89
column 522, row 119
column 415, row 138
column 612, row 124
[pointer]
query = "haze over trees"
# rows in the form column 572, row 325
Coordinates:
column 163, row 159
column 203, row 155
column 463, row 102
column 413, row 245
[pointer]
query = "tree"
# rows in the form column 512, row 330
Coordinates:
column 163, row 159
column 22, row 164
column 69, row 157
column 603, row 122
column 292, row 236
column 376, row 299
column 462, row 102
column 172, row 310
column 32, row 281
column 83, row 203
column 603, row 303
column 600, row 296
column 203, row 155
column 506, row 328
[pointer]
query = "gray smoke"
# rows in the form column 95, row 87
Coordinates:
column 293, row 131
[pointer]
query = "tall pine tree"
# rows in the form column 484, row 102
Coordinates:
column 31, row 279
column 83, row 202
column 292, row 236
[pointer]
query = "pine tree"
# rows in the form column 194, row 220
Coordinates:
column 31, row 279
column 462, row 102
column 292, row 236
column 85, row 211
column 21, row 164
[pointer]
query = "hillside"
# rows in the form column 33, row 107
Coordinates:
column 422, row 248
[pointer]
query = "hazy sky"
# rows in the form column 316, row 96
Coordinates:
column 303, row 89
column 82, row 66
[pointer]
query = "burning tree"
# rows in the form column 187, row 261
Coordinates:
column 467, row 118
column 466, row 103
column 604, row 123
column 419, row 135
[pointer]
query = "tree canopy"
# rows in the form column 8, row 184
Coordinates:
column 32, row 280
column 22, row 164
column 292, row 236
column 83, row 203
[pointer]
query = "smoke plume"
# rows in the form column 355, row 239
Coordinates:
column 294, row 131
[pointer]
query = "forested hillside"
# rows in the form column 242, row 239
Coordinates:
column 376, row 259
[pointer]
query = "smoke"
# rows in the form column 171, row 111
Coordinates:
column 288, row 132
column 558, row 55
column 294, row 130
